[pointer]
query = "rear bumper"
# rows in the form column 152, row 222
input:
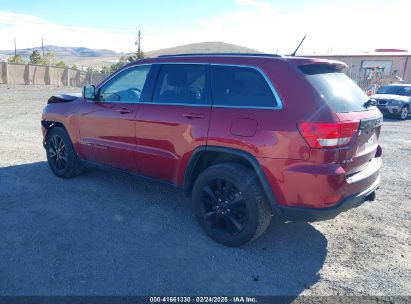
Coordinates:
column 321, row 214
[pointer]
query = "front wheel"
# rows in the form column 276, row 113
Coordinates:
column 61, row 156
column 403, row 113
column 230, row 204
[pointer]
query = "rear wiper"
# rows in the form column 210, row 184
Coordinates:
column 371, row 102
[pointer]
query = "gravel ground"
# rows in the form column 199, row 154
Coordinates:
column 105, row 233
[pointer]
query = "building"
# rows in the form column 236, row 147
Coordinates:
column 391, row 62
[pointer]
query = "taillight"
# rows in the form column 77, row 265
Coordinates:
column 328, row 135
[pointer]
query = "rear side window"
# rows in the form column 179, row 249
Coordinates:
column 235, row 86
column 338, row 91
column 180, row 83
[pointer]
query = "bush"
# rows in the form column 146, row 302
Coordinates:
column 15, row 59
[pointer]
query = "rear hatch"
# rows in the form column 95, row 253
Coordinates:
column 356, row 135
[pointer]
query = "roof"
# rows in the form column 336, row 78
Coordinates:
column 235, row 57
column 221, row 54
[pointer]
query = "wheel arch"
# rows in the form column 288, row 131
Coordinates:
column 49, row 124
column 206, row 156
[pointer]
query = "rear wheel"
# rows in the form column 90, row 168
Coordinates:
column 230, row 204
column 61, row 156
column 403, row 113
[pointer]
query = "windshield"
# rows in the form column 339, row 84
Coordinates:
column 339, row 92
column 395, row 90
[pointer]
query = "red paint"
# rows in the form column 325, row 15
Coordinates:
column 158, row 140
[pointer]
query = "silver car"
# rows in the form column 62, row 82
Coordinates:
column 394, row 99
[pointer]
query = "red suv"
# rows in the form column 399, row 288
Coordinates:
column 246, row 135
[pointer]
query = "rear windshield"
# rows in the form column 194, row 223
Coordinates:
column 338, row 91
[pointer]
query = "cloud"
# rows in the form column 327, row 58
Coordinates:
column 344, row 27
column 29, row 30
column 341, row 26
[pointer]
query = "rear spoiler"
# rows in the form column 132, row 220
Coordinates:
column 317, row 65
column 323, row 67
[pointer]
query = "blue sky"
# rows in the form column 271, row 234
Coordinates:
column 271, row 26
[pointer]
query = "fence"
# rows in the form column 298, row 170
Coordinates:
column 370, row 84
column 12, row 73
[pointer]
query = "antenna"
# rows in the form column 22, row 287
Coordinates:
column 293, row 54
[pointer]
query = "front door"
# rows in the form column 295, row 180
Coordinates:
column 175, row 122
column 107, row 125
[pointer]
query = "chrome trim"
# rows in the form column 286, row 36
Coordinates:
column 178, row 104
column 246, row 107
column 270, row 84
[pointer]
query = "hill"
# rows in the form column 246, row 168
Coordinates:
column 63, row 51
column 202, row 47
column 96, row 58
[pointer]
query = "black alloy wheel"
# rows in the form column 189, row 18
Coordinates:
column 230, row 204
column 223, row 207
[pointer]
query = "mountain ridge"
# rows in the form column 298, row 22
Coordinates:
column 96, row 58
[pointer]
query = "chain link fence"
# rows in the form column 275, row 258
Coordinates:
column 371, row 83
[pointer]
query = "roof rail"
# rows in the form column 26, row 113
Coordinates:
column 221, row 54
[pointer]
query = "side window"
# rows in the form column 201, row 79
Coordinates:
column 240, row 87
column 126, row 87
column 181, row 83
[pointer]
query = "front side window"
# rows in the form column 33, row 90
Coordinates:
column 125, row 87
column 181, row 83
column 236, row 86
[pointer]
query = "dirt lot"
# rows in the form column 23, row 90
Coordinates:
column 106, row 233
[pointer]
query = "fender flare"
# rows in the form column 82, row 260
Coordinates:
column 187, row 183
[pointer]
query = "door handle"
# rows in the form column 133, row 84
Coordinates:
column 193, row 116
column 124, row 111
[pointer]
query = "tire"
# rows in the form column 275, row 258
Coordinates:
column 61, row 156
column 230, row 204
column 403, row 113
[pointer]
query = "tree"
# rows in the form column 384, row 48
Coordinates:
column 60, row 64
column 137, row 56
column 15, row 59
column 115, row 66
column 49, row 58
column 35, row 58
column 105, row 70
column 74, row 67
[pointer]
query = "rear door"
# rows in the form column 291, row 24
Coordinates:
column 175, row 122
column 245, row 112
column 350, row 103
column 107, row 125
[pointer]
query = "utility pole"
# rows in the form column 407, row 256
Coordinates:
column 15, row 47
column 42, row 47
column 138, row 42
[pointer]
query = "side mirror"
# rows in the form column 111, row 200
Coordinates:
column 89, row 92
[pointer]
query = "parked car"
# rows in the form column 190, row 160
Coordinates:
column 247, row 136
column 394, row 99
